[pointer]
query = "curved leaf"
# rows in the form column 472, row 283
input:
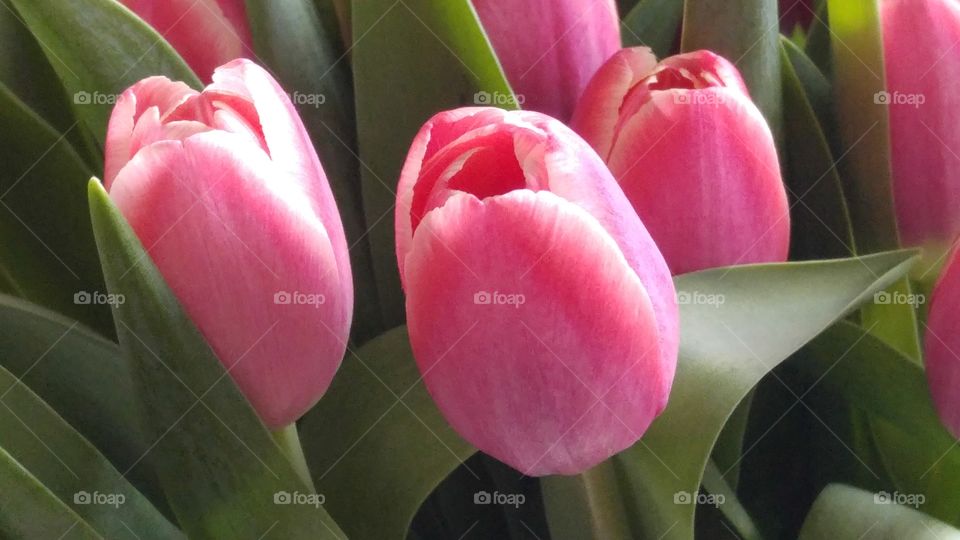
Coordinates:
column 71, row 468
column 223, row 474
column 747, row 320
column 411, row 59
column 22, row 495
column 378, row 426
column 846, row 513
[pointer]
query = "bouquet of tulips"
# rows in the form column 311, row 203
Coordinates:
column 479, row 269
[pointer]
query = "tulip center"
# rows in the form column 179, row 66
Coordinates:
column 485, row 166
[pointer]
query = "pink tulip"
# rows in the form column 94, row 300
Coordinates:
column 227, row 195
column 794, row 13
column 541, row 313
column 206, row 33
column 693, row 154
column 923, row 66
column 942, row 344
column 549, row 49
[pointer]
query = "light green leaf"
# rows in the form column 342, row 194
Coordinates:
column 846, row 513
column 378, row 426
column 738, row 325
column 411, row 60
column 654, row 24
column 71, row 468
column 46, row 515
column 219, row 467
column 746, row 32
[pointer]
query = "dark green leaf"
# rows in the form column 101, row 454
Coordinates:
column 655, row 24
column 411, row 59
column 744, row 322
column 378, row 426
column 219, row 466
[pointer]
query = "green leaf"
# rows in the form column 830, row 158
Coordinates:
column 83, row 377
column 654, row 24
column 847, row 513
column 46, row 245
column 746, row 32
column 879, row 380
column 28, row 510
column 378, row 426
column 292, row 41
column 820, row 220
column 71, row 468
column 220, row 468
column 411, row 60
column 740, row 323
column 99, row 49
column 728, row 504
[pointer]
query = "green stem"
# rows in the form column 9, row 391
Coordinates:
column 289, row 443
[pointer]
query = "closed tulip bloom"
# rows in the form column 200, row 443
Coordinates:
column 942, row 344
column 206, row 33
column 923, row 66
column 549, row 49
column 226, row 193
column 794, row 13
column 693, row 154
column 541, row 314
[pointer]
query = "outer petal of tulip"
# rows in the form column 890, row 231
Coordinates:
column 541, row 314
column 693, row 155
column 942, row 345
column 206, row 33
column 244, row 232
column 549, row 49
column 922, row 66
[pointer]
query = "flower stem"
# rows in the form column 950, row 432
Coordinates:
column 289, row 443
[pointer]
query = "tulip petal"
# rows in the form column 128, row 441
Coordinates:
column 717, row 151
column 227, row 233
column 942, row 346
column 555, row 383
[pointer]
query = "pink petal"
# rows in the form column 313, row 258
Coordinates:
column 942, row 346
column 227, row 233
column 559, row 382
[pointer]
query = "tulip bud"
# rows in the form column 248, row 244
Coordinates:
column 206, row 33
column 228, row 198
column 942, row 343
column 541, row 313
column 920, row 47
column 794, row 13
column 693, row 154
column 549, row 49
